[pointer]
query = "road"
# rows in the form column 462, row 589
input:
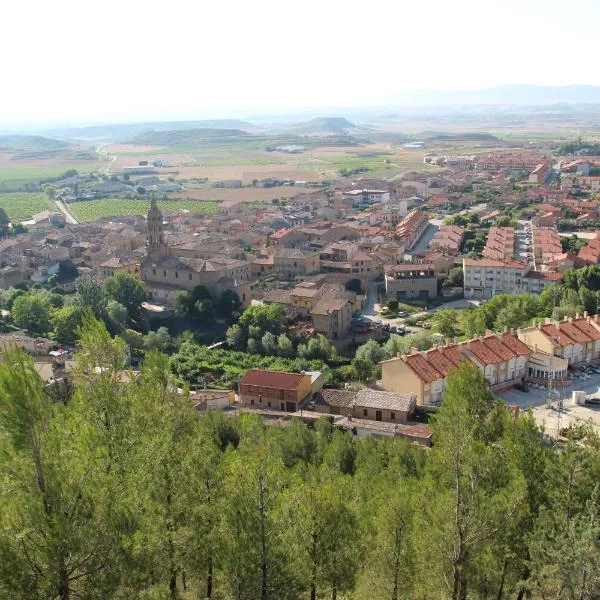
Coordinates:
column 65, row 211
column 111, row 157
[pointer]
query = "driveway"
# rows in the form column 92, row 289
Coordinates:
column 554, row 416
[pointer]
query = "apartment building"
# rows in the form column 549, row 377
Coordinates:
column 485, row 278
column 541, row 173
column 411, row 281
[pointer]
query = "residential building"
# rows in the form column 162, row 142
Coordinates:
column 502, row 359
column 590, row 253
column 293, row 262
column 541, row 173
column 485, row 278
column 274, row 390
column 411, row 228
column 411, row 281
column 500, row 244
column 448, row 238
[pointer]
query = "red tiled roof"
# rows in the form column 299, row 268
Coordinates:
column 441, row 363
column 483, row 353
column 587, row 328
column 498, row 348
column 574, row 332
column 422, row 368
column 515, row 344
column 272, row 379
column 558, row 338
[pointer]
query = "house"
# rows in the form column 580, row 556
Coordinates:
column 293, row 262
column 490, row 217
column 369, row 404
column 332, row 317
column 577, row 340
column 448, row 238
column 112, row 265
column 590, row 253
column 411, row 281
column 274, row 389
column 541, row 173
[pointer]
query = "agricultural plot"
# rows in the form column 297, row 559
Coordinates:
column 90, row 210
column 20, row 206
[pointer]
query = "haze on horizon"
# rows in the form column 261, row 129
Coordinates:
column 133, row 60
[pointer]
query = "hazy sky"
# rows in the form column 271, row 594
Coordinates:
column 99, row 61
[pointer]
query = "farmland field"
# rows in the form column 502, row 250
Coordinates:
column 90, row 210
column 20, row 206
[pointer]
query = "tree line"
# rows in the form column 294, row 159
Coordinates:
column 124, row 491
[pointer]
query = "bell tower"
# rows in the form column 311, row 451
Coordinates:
column 155, row 238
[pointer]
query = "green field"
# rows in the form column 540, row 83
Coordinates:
column 20, row 206
column 90, row 210
column 37, row 173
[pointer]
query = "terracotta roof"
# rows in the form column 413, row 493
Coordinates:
column 440, row 361
column 422, row 368
column 587, row 328
column 484, row 354
column 498, row 348
column 558, row 338
column 547, row 275
column 574, row 332
column 515, row 344
column 272, row 379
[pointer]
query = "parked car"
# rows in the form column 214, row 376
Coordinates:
column 403, row 314
column 426, row 325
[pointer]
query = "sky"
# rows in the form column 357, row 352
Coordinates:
column 82, row 61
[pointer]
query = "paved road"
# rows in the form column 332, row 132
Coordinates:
column 65, row 211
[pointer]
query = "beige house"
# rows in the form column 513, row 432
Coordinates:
column 293, row 262
column 411, row 281
column 502, row 358
column 332, row 317
column 577, row 340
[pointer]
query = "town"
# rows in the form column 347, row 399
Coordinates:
column 354, row 275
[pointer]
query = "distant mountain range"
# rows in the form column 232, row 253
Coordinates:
column 120, row 131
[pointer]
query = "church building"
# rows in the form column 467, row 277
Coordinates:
column 164, row 273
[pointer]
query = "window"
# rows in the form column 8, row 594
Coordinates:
column 269, row 404
column 392, row 416
column 176, row 275
column 164, row 273
column 252, row 401
column 153, row 271
column 282, row 405
column 190, row 276
column 365, row 412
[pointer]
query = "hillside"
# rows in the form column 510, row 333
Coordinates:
column 184, row 137
column 323, row 125
column 118, row 131
column 31, row 146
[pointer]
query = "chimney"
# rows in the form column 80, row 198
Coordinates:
column 565, row 319
column 585, row 314
column 505, row 330
column 512, row 331
column 539, row 326
column 577, row 316
column 570, row 319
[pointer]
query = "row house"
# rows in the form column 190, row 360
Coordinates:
column 500, row 244
column 448, row 238
column 411, row 228
column 576, row 340
column 590, row 253
column 502, row 358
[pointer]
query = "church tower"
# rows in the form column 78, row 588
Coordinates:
column 155, row 239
